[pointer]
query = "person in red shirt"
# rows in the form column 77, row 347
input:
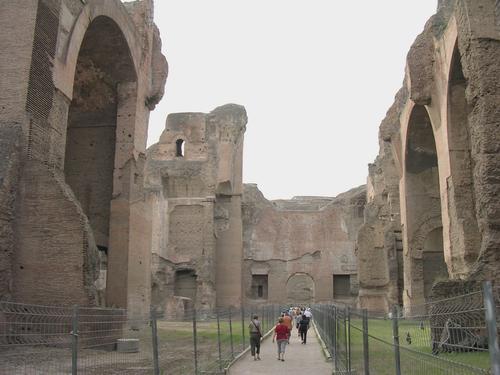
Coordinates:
column 281, row 333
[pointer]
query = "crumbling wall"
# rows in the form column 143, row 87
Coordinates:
column 452, row 84
column 10, row 165
column 65, row 52
column 194, row 191
column 306, row 239
column 379, row 244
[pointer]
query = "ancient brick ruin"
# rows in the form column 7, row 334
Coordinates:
column 433, row 210
column 78, row 80
column 90, row 217
column 301, row 250
column 219, row 243
column 194, row 182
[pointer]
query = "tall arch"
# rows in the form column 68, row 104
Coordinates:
column 101, row 127
column 464, row 232
column 423, row 207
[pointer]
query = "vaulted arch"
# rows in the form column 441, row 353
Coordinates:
column 423, row 207
column 465, row 239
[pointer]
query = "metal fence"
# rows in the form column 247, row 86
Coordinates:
column 455, row 336
column 63, row 340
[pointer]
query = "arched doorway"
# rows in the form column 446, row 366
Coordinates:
column 423, row 207
column 300, row 289
column 464, row 232
column 101, row 122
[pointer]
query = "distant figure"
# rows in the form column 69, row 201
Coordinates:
column 297, row 318
column 308, row 313
column 303, row 327
column 255, row 337
column 281, row 335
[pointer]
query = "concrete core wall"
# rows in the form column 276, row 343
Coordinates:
column 442, row 137
column 85, row 77
column 295, row 248
column 194, row 181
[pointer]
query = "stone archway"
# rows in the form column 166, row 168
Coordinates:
column 105, row 84
column 465, row 240
column 300, row 288
column 423, row 204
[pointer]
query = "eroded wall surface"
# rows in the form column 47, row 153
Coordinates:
column 295, row 251
column 442, row 136
column 194, row 183
column 379, row 246
column 78, row 82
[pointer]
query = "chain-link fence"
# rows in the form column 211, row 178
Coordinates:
column 64, row 340
column 455, row 336
column 206, row 343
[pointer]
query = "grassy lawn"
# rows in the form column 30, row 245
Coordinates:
column 382, row 355
column 176, row 344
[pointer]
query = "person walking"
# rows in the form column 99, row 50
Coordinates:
column 281, row 333
column 303, row 327
column 297, row 319
column 255, row 337
column 287, row 320
column 308, row 313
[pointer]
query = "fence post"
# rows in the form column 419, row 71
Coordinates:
column 491, row 322
column 74, row 341
column 395, row 334
column 348, row 334
column 219, row 341
column 334, row 334
column 242, row 328
column 231, row 333
column 262, row 317
column 195, row 343
column 366, row 355
column 154, row 328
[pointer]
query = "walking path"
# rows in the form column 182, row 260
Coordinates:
column 299, row 359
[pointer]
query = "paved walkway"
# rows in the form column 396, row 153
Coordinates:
column 299, row 359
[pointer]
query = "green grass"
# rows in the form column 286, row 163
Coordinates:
column 382, row 357
column 176, row 344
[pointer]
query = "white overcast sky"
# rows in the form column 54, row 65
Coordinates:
column 316, row 78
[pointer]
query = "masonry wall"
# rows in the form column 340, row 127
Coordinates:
column 193, row 176
column 452, row 85
column 53, row 217
column 299, row 245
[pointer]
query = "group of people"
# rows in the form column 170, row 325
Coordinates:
column 298, row 316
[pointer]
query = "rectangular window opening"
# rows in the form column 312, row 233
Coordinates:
column 259, row 287
column 341, row 286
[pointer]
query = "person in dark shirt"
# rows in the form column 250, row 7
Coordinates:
column 303, row 327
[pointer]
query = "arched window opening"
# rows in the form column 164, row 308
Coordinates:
column 179, row 148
